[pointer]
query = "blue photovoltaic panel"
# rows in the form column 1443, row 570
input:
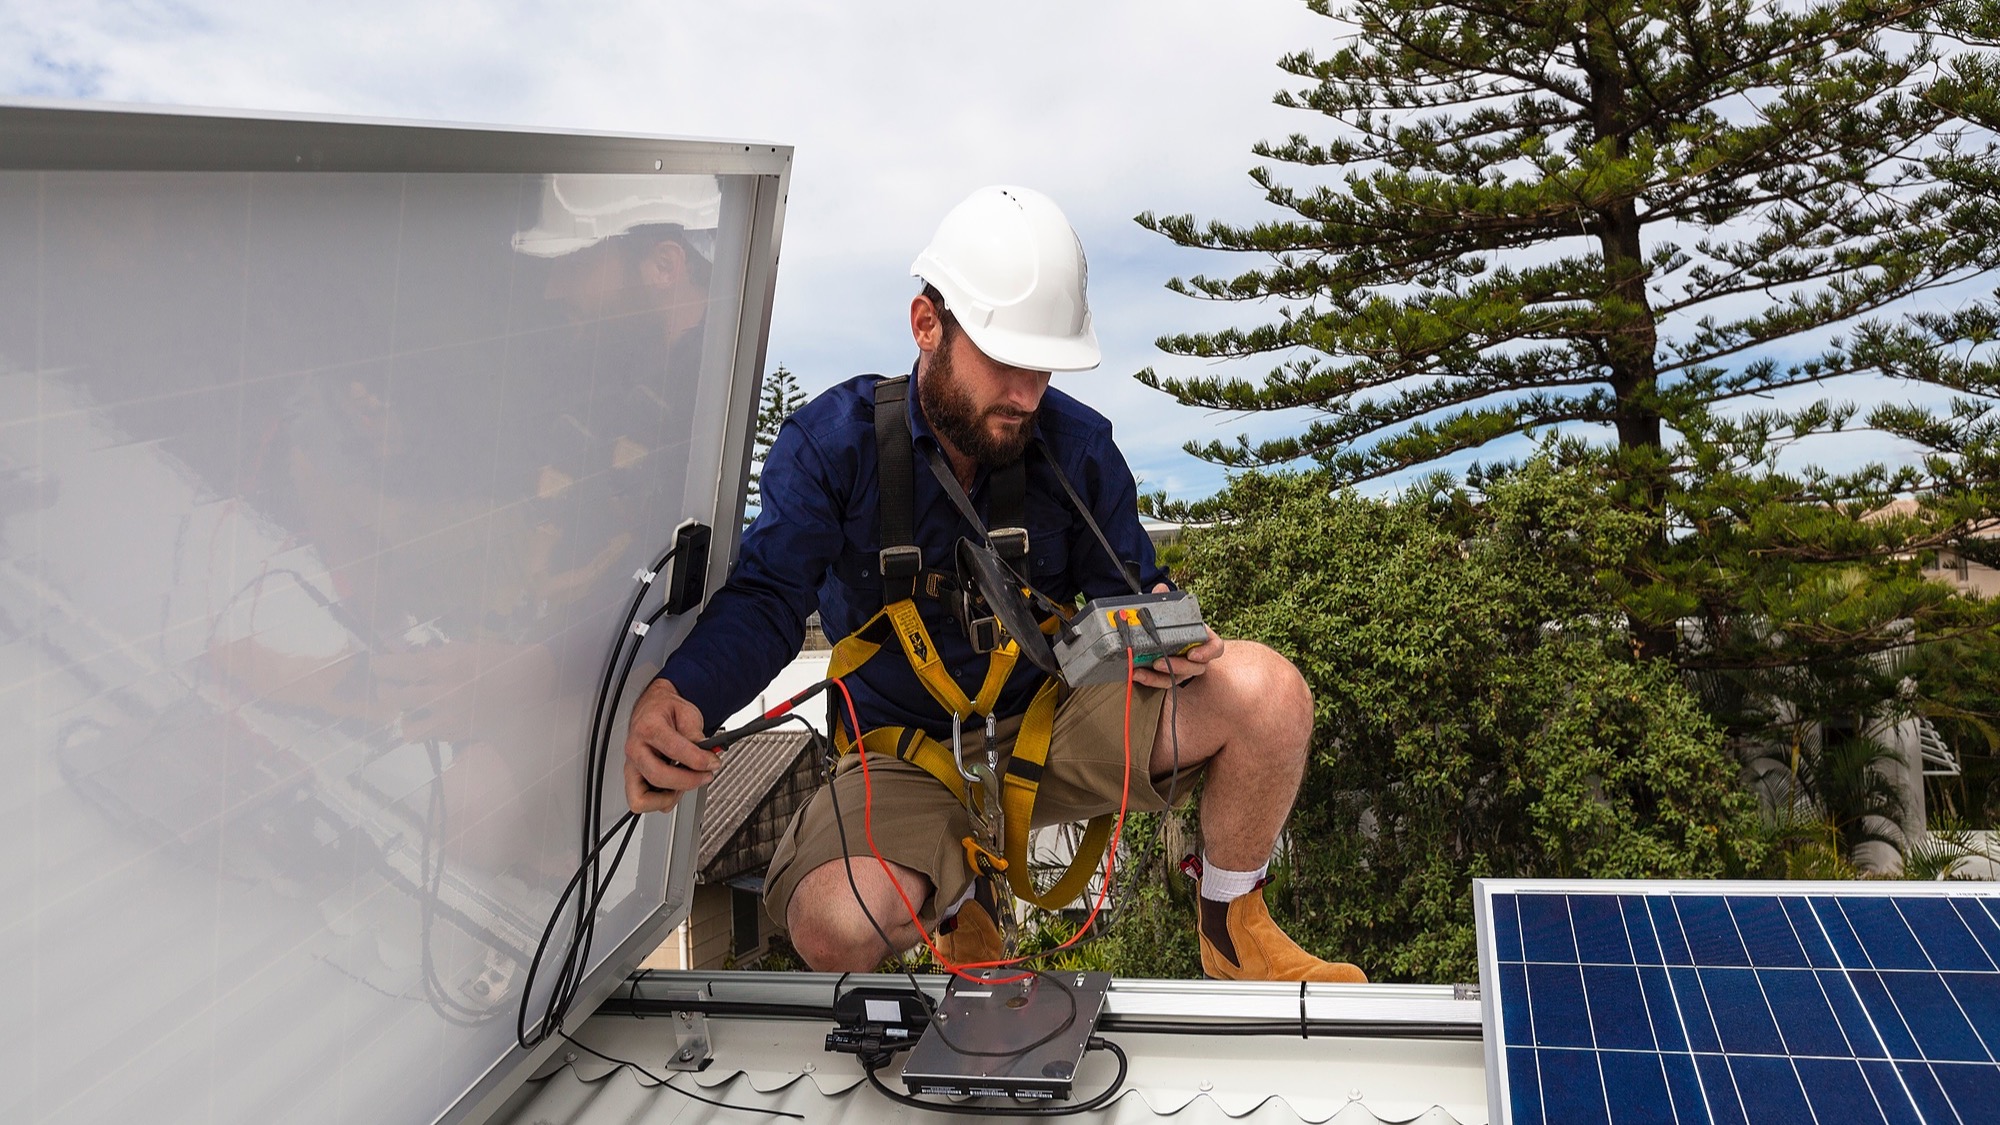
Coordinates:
column 1627, row 1003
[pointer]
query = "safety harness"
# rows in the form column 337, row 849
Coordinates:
column 996, row 625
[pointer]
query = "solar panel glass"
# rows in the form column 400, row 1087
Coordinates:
column 1600, row 930
column 1947, row 942
column 1711, row 932
column 1684, row 1087
column 1978, row 996
column 1847, row 951
column 1983, row 928
column 1805, row 1019
column 1772, row 1093
column 1718, row 1088
column 1924, row 1092
column 1667, row 929
column 1617, row 1008
column 1572, row 1088
column 1545, row 930
column 1639, row 930
column 1555, row 998
column 1636, row 1089
column 1507, row 928
column 1976, row 1088
column 1524, row 1079
column 1837, row 1090
column 1884, row 934
column 1933, row 1017
column 1744, row 1003
column 1890, row 1097
column 1855, row 1026
column 1806, row 927
column 1767, row 933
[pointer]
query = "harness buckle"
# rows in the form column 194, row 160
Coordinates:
column 900, row 562
column 1009, row 542
column 985, row 634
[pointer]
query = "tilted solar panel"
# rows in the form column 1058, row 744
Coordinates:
column 1624, row 1003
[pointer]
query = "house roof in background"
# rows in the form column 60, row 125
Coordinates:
column 1907, row 507
column 755, row 767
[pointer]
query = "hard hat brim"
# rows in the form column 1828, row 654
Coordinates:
column 1037, row 353
column 547, row 244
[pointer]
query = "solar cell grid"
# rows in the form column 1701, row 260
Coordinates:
column 1724, row 1003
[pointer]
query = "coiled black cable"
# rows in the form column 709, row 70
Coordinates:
column 575, row 962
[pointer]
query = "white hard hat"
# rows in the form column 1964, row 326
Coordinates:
column 580, row 210
column 1012, row 272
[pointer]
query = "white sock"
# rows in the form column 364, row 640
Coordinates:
column 952, row 910
column 1224, row 885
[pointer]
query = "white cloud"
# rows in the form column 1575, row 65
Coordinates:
column 896, row 111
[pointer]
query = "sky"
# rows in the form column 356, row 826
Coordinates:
column 895, row 110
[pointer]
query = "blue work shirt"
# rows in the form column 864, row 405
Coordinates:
column 815, row 542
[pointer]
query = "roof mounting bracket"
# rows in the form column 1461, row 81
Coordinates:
column 692, row 1046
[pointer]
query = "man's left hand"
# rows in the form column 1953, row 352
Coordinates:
column 1178, row 669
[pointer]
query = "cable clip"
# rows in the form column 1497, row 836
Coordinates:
column 644, row 577
column 639, row 628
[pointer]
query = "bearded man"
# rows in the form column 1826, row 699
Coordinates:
column 1003, row 305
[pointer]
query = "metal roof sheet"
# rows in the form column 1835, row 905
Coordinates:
column 766, row 1063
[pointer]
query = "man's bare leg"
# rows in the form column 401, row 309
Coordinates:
column 828, row 927
column 1249, row 716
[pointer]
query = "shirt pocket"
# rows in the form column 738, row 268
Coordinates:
column 1048, row 553
column 858, row 569
column 859, row 564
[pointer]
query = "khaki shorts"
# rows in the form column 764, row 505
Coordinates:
column 919, row 824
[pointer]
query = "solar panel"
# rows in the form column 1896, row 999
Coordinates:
column 1633, row 1003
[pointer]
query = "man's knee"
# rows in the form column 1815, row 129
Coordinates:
column 833, row 932
column 1271, row 686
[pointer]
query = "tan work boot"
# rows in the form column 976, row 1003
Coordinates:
column 1241, row 941
column 971, row 935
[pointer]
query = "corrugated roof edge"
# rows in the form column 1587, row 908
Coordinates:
column 1389, row 1076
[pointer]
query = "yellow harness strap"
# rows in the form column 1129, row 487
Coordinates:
column 1017, row 802
column 1023, row 778
column 902, row 619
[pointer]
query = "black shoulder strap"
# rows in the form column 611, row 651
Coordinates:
column 1007, row 501
column 896, row 513
column 1083, row 510
column 1006, row 493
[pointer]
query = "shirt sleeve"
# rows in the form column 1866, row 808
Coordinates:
column 1113, row 496
column 756, row 622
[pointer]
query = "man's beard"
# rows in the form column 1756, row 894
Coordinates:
column 949, row 407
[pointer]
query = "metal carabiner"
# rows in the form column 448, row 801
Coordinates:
column 958, row 751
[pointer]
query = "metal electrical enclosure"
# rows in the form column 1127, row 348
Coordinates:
column 328, row 452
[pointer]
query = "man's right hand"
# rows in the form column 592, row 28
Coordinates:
column 661, row 758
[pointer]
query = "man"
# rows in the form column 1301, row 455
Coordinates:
column 1003, row 306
